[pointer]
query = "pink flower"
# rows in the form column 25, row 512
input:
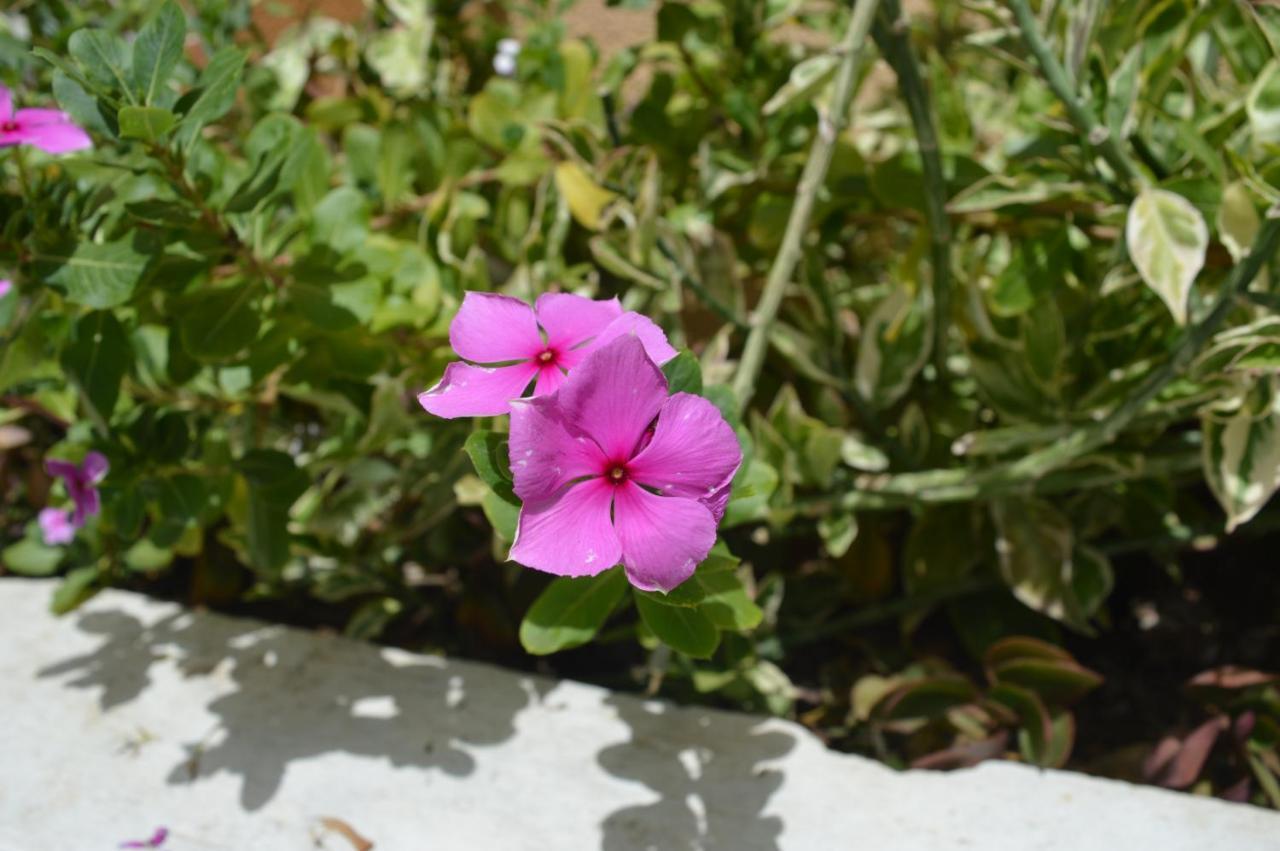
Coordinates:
column 156, row 841
column 56, row 527
column 510, row 345
column 81, row 481
column 47, row 129
column 611, row 469
column 5, row 287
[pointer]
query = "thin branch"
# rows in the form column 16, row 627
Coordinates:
column 1056, row 76
column 811, row 180
column 891, row 35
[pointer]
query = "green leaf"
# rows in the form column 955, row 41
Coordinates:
column 488, row 453
column 894, row 347
column 217, row 324
column 684, row 374
column 837, row 531
column 1238, row 221
column 98, row 359
column 687, row 630
column 1241, row 452
column 570, row 611
column 78, row 586
column 83, row 107
column 275, row 483
column 752, row 488
column 148, row 123
column 157, row 50
column 372, row 618
column 145, row 557
column 1167, row 239
column 214, row 93
column 716, row 590
column 30, row 557
column 341, row 219
column 104, row 58
column 96, row 275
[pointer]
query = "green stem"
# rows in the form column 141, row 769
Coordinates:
column 891, row 34
column 963, row 484
column 1056, row 76
column 811, row 180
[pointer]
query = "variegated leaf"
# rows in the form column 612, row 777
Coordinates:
column 1167, row 239
column 1242, row 453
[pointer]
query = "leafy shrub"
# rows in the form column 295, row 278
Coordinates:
column 1005, row 325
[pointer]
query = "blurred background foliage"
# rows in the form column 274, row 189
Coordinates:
column 1020, row 384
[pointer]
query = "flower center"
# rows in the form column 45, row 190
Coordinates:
column 546, row 357
column 8, row 126
column 617, row 474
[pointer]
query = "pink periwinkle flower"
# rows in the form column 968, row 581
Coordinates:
column 510, row 344
column 5, row 287
column 50, row 130
column 157, row 840
column 56, row 527
column 81, row 481
column 611, row 469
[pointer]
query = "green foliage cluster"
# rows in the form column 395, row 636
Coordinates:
column 1000, row 319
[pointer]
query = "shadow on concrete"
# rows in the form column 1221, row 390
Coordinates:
column 712, row 779
column 284, row 706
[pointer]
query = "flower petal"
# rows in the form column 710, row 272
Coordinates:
column 569, row 534
column 613, row 396
column 694, row 452
column 36, row 117
column 633, row 325
column 492, row 328
column 664, row 538
column 571, row 320
column 62, row 469
column 476, row 391
column 549, row 380
column 94, row 467
column 56, row 527
column 54, row 138
column 5, row 287
column 546, row 452
column 85, row 497
column 718, row 501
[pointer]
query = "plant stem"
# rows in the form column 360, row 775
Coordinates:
column 891, row 35
column 811, row 180
column 950, row 485
column 1055, row 75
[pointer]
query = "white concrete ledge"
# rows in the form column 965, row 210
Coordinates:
column 133, row 714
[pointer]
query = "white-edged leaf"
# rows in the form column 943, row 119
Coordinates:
column 1263, row 104
column 1242, row 453
column 1167, row 239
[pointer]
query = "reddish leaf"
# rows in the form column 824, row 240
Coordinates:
column 1056, row 681
column 1193, row 753
column 1022, row 647
column 966, row 754
column 1232, row 677
column 926, row 698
